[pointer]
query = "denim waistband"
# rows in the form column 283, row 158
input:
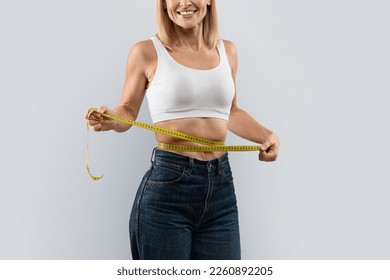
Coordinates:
column 160, row 156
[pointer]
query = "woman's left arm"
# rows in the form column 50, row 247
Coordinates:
column 244, row 125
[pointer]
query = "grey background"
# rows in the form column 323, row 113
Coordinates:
column 316, row 72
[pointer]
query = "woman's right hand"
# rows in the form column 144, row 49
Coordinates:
column 97, row 121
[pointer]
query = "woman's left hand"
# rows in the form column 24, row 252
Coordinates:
column 270, row 148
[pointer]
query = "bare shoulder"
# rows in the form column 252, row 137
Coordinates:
column 143, row 51
column 230, row 48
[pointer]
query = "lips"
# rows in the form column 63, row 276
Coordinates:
column 186, row 13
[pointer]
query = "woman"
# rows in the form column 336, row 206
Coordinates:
column 185, row 207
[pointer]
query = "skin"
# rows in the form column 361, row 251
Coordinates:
column 190, row 51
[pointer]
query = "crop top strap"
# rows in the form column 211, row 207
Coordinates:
column 162, row 53
column 222, row 54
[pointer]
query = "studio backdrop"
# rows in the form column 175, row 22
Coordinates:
column 315, row 72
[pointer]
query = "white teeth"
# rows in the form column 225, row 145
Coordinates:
column 186, row 13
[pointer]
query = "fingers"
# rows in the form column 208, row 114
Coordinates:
column 268, row 155
column 91, row 113
column 269, row 149
column 95, row 117
column 96, row 112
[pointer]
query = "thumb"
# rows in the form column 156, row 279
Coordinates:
column 264, row 147
column 102, row 109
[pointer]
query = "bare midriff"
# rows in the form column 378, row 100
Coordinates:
column 208, row 128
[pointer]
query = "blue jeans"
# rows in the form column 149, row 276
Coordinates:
column 185, row 209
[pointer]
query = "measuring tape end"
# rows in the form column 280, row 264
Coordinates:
column 95, row 178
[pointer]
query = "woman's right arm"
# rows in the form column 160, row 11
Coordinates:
column 141, row 62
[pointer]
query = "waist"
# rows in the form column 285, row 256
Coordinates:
column 207, row 128
column 188, row 162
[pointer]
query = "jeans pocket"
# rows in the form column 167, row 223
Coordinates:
column 166, row 174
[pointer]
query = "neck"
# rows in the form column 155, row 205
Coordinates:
column 190, row 38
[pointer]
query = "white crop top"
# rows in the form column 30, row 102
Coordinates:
column 179, row 92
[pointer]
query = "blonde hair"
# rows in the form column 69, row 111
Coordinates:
column 166, row 32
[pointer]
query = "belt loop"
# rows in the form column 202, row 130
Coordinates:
column 190, row 165
column 220, row 165
column 153, row 156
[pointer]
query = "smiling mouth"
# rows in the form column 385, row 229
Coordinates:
column 186, row 13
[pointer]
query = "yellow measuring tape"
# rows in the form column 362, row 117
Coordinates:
column 209, row 145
